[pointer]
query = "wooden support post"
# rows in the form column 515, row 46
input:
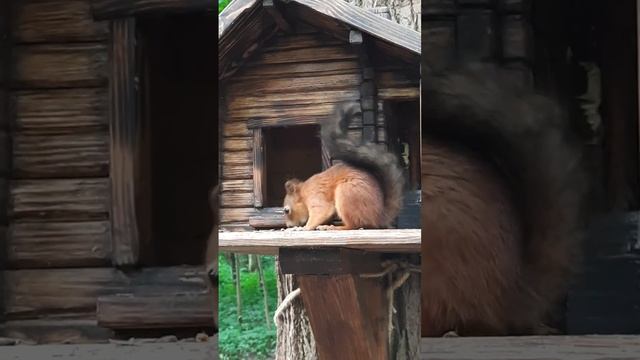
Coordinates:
column 273, row 10
column 368, row 90
column 259, row 168
column 126, row 132
column 348, row 313
column 5, row 140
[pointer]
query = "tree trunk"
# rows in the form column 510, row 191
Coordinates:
column 405, row 339
column 295, row 339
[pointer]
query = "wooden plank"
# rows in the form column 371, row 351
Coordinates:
column 237, row 157
column 268, row 100
column 126, row 142
column 325, row 53
column 300, row 41
column 148, row 312
column 61, row 156
column 177, row 350
column 64, row 111
column 259, row 168
column 235, row 129
column 239, row 215
column 295, row 84
column 237, row 144
column 399, row 94
column 268, row 218
column 59, row 199
column 348, row 316
column 237, row 199
column 277, row 110
column 328, row 261
column 589, row 347
column 59, row 65
column 55, row 330
column 367, row 22
column 112, row 9
column 298, row 68
column 237, row 186
column 30, row 293
column 56, row 21
column 44, row 245
column 268, row 242
column 289, row 120
column 237, row 172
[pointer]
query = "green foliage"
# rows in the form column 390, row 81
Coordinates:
column 252, row 339
column 222, row 4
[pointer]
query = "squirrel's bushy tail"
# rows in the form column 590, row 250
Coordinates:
column 525, row 135
column 371, row 157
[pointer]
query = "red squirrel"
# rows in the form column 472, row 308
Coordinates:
column 502, row 185
column 211, row 255
column 364, row 190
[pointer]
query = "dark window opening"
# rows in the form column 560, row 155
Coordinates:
column 403, row 119
column 177, row 80
column 293, row 151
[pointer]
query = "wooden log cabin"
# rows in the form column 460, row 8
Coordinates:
column 283, row 66
column 109, row 148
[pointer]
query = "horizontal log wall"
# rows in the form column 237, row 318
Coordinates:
column 59, row 195
column 58, row 239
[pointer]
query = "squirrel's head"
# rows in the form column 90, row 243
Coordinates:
column 295, row 211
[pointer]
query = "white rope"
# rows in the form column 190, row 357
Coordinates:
column 286, row 302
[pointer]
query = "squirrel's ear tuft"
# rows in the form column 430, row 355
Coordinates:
column 292, row 186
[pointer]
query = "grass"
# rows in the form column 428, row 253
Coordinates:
column 251, row 339
column 222, row 4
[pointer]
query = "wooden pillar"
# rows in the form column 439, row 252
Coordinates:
column 348, row 313
column 5, row 139
column 368, row 91
column 259, row 168
column 126, row 145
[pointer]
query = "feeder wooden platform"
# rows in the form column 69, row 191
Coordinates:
column 269, row 242
column 584, row 347
column 158, row 351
